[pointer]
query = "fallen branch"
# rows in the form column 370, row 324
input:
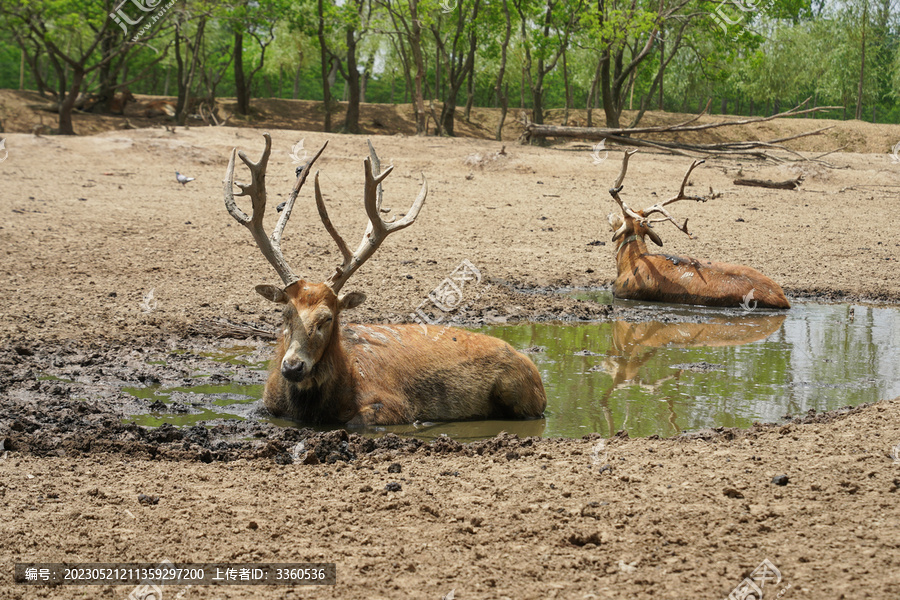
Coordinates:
column 227, row 329
column 746, row 148
column 790, row 184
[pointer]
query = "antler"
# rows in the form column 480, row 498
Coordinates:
column 658, row 208
column 377, row 229
column 256, row 190
column 614, row 192
column 642, row 216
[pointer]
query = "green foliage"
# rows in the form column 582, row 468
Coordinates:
column 777, row 52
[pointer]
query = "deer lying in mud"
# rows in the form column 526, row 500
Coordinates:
column 359, row 375
column 159, row 108
column 676, row 279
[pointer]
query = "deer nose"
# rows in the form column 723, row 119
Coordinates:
column 294, row 370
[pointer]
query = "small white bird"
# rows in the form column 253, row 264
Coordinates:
column 182, row 179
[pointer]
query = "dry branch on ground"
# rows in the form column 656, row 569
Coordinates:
column 752, row 148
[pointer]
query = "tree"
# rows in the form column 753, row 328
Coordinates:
column 545, row 30
column 407, row 22
column 256, row 19
column 70, row 32
column 458, row 55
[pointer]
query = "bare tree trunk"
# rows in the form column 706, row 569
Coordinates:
column 327, row 66
column 296, row 90
column 503, row 98
column 415, row 43
column 592, row 95
column 351, row 121
column 470, row 94
column 568, row 89
column 662, row 70
column 366, row 76
column 66, row 106
column 240, row 81
column 862, row 63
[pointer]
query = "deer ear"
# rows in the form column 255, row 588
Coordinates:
column 654, row 237
column 351, row 300
column 270, row 292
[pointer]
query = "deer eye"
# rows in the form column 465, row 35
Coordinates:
column 324, row 323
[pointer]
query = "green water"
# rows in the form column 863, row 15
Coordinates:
column 703, row 368
column 204, row 402
column 722, row 368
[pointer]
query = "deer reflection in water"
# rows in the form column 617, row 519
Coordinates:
column 634, row 344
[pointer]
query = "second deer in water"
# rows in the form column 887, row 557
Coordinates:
column 643, row 275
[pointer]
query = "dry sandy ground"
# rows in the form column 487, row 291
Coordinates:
column 92, row 224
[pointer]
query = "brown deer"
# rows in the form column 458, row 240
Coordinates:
column 159, row 108
column 681, row 280
column 361, row 375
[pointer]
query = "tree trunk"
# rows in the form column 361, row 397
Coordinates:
column 522, row 90
column 66, row 106
column 504, row 107
column 296, row 90
column 326, row 67
column 351, row 121
column 609, row 103
column 567, row 88
column 592, row 94
column 662, row 70
column 240, row 82
column 862, row 62
column 366, row 77
column 724, row 105
column 470, row 94
column 415, row 43
column 503, row 98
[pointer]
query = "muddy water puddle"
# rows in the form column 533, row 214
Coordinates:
column 690, row 369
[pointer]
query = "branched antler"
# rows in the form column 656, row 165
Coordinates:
column 256, row 190
column 377, row 229
column 642, row 216
column 614, row 192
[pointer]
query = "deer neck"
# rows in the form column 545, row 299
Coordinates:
column 328, row 397
column 629, row 250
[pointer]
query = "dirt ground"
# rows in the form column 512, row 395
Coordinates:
column 92, row 224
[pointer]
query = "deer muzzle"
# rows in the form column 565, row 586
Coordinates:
column 295, row 367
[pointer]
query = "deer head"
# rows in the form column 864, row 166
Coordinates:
column 312, row 310
column 628, row 222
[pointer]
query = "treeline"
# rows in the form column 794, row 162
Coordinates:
column 606, row 56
